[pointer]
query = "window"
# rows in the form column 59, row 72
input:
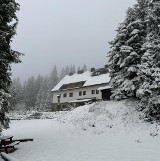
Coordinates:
column 80, row 93
column 97, row 92
column 93, row 91
column 65, row 95
column 71, row 95
column 84, row 92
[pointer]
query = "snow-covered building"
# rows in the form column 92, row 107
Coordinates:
column 81, row 88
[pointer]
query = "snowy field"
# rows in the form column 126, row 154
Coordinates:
column 105, row 131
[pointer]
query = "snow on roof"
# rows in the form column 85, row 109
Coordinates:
column 100, row 79
column 86, row 77
column 105, row 87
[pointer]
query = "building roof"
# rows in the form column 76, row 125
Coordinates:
column 86, row 77
column 105, row 87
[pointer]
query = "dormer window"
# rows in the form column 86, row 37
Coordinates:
column 72, row 85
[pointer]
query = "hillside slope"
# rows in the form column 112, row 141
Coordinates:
column 109, row 116
column 102, row 131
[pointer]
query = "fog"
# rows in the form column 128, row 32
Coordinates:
column 64, row 32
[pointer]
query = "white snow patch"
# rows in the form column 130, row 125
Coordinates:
column 102, row 131
column 102, row 88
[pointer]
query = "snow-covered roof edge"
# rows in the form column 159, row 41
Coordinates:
column 86, row 77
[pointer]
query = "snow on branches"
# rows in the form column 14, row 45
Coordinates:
column 135, row 56
column 8, row 24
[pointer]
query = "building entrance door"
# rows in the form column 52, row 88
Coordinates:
column 106, row 93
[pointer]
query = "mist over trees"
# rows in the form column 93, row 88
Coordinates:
column 35, row 93
column 135, row 57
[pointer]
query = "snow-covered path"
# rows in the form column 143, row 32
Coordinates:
column 54, row 141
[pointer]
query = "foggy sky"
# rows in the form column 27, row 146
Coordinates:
column 64, row 32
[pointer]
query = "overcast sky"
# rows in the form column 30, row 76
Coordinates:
column 64, row 32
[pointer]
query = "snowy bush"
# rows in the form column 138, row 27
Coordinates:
column 153, row 108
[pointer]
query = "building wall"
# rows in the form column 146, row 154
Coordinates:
column 76, row 94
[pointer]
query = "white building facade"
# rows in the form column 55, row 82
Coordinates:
column 79, row 88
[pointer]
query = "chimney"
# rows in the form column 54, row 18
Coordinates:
column 70, row 74
column 92, row 69
column 80, row 72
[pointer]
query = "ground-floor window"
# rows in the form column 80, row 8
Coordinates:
column 97, row 92
column 80, row 93
column 93, row 91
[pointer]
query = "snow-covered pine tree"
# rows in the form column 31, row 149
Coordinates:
column 30, row 93
column 67, row 70
column 78, row 69
column 19, row 89
column 54, row 79
column 149, row 72
column 84, row 68
column 72, row 69
column 38, row 99
column 13, row 99
column 126, row 53
column 43, row 94
column 139, row 75
column 62, row 73
column 8, row 24
column 48, row 100
column 38, row 83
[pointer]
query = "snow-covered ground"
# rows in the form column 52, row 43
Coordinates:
column 104, row 131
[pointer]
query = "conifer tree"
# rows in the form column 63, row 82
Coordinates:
column 13, row 98
column 149, row 90
column 48, row 100
column 126, row 52
column 135, row 57
column 72, row 69
column 44, row 94
column 67, row 70
column 37, row 84
column 84, row 68
column 30, row 93
column 62, row 74
column 54, row 77
column 19, row 89
column 8, row 24
column 78, row 69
